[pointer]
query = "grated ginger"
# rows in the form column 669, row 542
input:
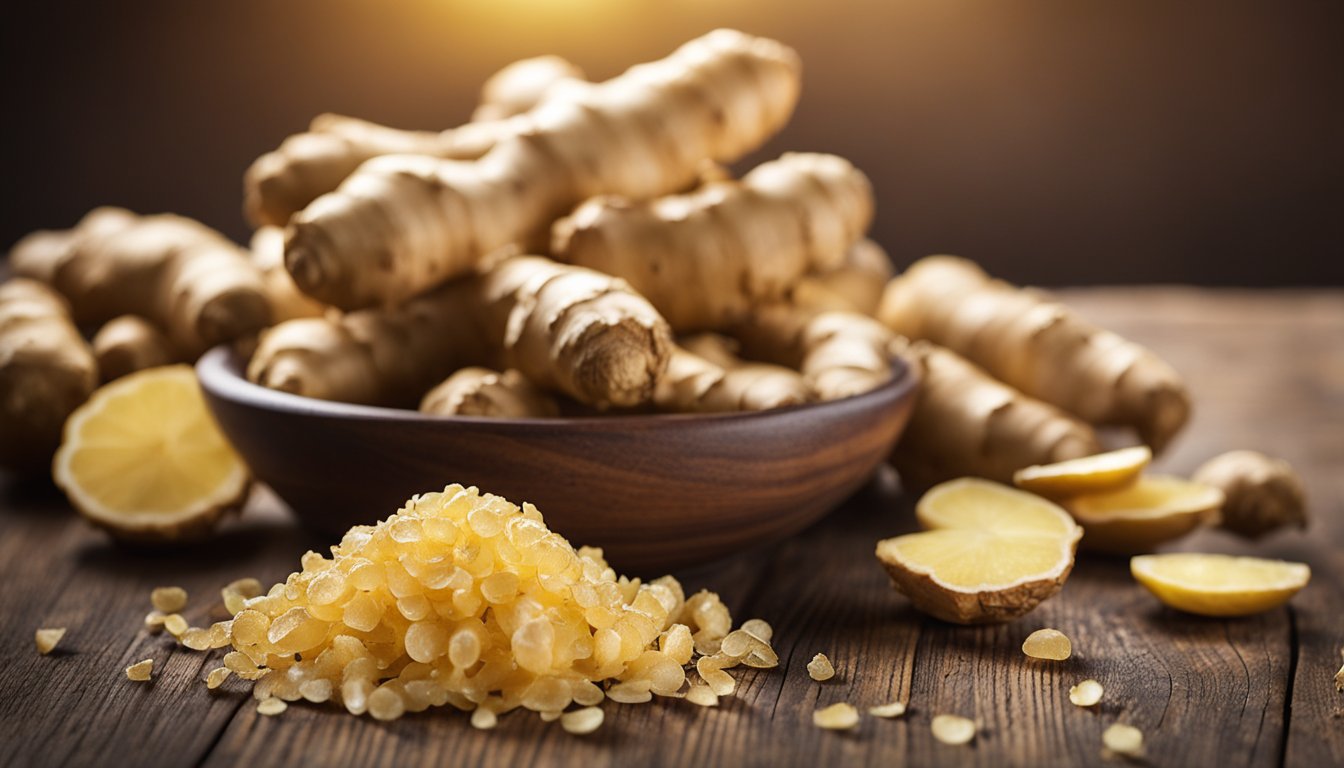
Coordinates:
column 463, row 598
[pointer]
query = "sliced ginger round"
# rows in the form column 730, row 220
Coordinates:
column 1104, row 472
column 1219, row 585
column 990, row 552
column 1154, row 510
column 144, row 459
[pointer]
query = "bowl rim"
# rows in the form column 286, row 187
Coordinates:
column 220, row 373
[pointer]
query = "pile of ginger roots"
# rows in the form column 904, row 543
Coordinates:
column 577, row 248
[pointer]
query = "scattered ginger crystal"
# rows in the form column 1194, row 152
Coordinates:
column 154, row 622
column 175, row 624
column 1124, row 740
column 217, row 677
column 953, row 729
column 48, row 638
column 820, row 668
column 894, row 709
column 140, row 671
column 272, row 707
column 463, row 598
column 168, row 599
column 1047, row 644
column 1086, row 693
column 582, row 721
column 837, row 717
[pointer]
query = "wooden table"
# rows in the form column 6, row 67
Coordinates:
column 1268, row 372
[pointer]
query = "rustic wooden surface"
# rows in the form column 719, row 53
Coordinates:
column 1268, row 372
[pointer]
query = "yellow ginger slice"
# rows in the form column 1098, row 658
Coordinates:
column 1104, row 472
column 990, row 552
column 144, row 459
column 1219, row 585
column 1154, row 510
column 47, row 639
column 464, row 598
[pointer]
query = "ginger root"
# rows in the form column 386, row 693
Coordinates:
column 482, row 392
column 1037, row 346
column 840, row 354
column 705, row 377
column 307, row 165
column 286, row 300
column 1261, row 494
column 967, row 423
column 46, row 371
column 574, row 330
column 128, row 344
column 372, row 357
column 567, row 329
column 522, row 85
column 402, row 224
column 193, row 284
column 706, row 257
column 854, row 286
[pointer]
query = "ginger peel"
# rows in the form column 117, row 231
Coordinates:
column 402, row 224
column 1038, row 347
column 46, row 371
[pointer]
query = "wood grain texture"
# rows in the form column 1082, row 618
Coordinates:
column 1267, row 371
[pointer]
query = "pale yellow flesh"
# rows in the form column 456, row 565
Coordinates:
column 1219, row 585
column 1151, row 496
column 1153, row 510
column 984, row 536
column 975, row 504
column 1101, row 473
column 145, row 448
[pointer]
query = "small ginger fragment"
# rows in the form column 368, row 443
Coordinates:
column 154, row 622
column 892, row 710
column 484, row 719
column 1086, row 693
column 176, row 624
column 48, row 638
column 820, row 668
column 1260, row 493
column 702, row 696
column 272, row 707
column 582, row 721
column 217, row 677
column 1339, row 676
column 953, row 729
column 1047, row 644
column 837, row 717
column 1123, row 740
column 236, row 593
column 140, row 671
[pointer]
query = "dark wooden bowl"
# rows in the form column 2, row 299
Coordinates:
column 655, row 492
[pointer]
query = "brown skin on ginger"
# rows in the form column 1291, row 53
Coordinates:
column 404, row 223
column 46, row 371
column 1038, row 347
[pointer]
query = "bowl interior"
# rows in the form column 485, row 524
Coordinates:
column 655, row 492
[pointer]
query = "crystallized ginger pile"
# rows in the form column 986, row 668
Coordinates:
column 465, row 599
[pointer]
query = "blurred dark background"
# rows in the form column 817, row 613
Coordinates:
column 1056, row 142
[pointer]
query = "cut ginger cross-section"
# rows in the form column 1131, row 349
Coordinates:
column 144, row 459
column 1110, row 471
column 1219, row 585
column 1154, row 510
column 989, row 552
